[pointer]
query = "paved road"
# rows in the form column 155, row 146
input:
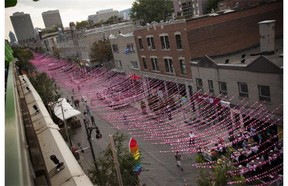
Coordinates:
column 159, row 168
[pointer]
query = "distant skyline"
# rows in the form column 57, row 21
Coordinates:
column 70, row 10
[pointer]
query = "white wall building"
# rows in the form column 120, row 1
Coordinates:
column 125, row 53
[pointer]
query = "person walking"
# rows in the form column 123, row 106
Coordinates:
column 143, row 107
column 125, row 121
column 178, row 159
column 191, row 138
column 168, row 111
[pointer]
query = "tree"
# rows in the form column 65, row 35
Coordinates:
column 106, row 175
column 113, row 20
column 82, row 24
column 23, row 55
column 151, row 10
column 101, row 53
column 45, row 87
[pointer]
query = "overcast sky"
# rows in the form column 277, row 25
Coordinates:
column 70, row 10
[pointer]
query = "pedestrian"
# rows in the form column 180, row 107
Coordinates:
column 86, row 118
column 143, row 107
column 125, row 121
column 88, row 110
column 93, row 120
column 98, row 134
column 168, row 111
column 178, row 159
column 191, row 138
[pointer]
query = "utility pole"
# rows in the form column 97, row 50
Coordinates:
column 116, row 163
column 90, row 144
column 65, row 124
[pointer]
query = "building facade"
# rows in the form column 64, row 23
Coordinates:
column 234, row 31
column 249, row 82
column 164, row 55
column 102, row 16
column 190, row 8
column 125, row 54
column 23, row 27
column 96, row 34
column 52, row 19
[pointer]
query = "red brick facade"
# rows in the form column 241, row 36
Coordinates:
column 173, row 52
column 212, row 36
column 232, row 32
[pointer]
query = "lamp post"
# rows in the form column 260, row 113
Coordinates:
column 65, row 124
column 88, row 132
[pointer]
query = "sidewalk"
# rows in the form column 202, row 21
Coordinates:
column 159, row 168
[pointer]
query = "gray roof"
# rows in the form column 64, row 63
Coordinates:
column 254, row 60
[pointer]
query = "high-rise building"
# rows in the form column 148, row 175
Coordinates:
column 102, row 15
column 23, row 27
column 190, row 7
column 12, row 37
column 52, row 18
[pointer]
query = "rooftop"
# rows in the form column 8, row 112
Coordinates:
column 250, row 55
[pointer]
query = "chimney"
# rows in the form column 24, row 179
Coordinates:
column 267, row 36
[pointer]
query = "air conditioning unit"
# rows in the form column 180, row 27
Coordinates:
column 149, row 48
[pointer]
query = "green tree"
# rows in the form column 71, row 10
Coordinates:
column 82, row 24
column 45, row 87
column 113, row 20
column 23, row 55
column 101, row 53
column 151, row 10
column 106, row 175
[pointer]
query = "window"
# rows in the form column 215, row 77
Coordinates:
column 129, row 48
column 199, row 84
column 178, row 41
column 134, row 65
column 140, row 43
column 165, row 42
column 168, row 65
column 115, row 48
column 264, row 93
column 118, row 63
column 223, row 88
column 144, row 62
column 182, row 66
column 211, row 86
column 243, row 89
column 154, row 63
column 150, row 42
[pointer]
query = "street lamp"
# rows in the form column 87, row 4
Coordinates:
column 88, row 132
column 59, row 104
column 65, row 125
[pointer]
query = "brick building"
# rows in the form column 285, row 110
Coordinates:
column 164, row 54
column 207, row 35
column 234, row 31
column 250, row 82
